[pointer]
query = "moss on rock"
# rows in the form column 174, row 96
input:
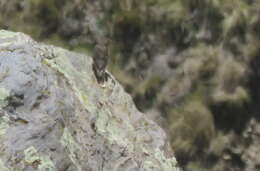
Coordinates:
column 2, row 166
column 42, row 162
column 4, row 93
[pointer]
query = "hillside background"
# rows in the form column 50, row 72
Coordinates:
column 191, row 65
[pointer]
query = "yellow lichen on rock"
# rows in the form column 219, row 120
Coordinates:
column 3, row 125
column 44, row 162
column 7, row 34
column 4, row 93
column 2, row 166
column 72, row 146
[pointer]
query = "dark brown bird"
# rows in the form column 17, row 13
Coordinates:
column 100, row 58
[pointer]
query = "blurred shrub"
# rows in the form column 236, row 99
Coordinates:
column 196, row 166
column 202, row 62
column 191, row 126
column 218, row 144
column 229, row 83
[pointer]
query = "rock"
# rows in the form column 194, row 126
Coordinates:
column 55, row 116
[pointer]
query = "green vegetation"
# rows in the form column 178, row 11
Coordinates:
column 228, row 81
column 191, row 125
column 218, row 144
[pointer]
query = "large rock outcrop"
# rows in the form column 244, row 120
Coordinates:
column 54, row 115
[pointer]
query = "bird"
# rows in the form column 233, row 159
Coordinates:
column 100, row 61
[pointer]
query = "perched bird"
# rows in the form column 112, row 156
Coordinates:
column 100, row 58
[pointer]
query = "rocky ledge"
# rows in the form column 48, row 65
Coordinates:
column 55, row 116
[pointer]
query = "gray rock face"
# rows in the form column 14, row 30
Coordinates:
column 55, row 116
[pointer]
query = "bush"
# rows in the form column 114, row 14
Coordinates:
column 229, row 82
column 191, row 125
